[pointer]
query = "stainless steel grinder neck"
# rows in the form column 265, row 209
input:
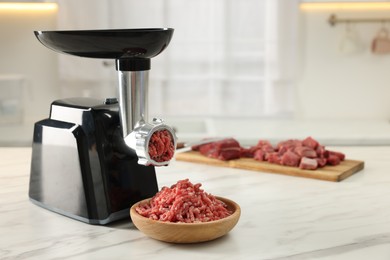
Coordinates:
column 133, row 75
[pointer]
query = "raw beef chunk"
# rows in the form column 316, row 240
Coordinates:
column 288, row 144
column 226, row 149
column 322, row 152
column 304, row 151
column 290, row 158
column 310, row 142
column 333, row 160
column 259, row 155
column 321, row 162
column 306, row 154
column 273, row 157
column 308, row 163
column 249, row 152
column 265, row 146
column 341, row 156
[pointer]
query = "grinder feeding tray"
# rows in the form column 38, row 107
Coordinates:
column 93, row 159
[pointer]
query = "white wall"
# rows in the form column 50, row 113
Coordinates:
column 22, row 54
column 335, row 84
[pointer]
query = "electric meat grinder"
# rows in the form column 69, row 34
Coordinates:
column 92, row 159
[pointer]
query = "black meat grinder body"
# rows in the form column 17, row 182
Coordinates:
column 81, row 166
column 90, row 158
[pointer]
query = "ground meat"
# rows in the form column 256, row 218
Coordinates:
column 161, row 147
column 289, row 152
column 184, row 202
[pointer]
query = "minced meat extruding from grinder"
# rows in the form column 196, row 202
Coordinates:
column 161, row 147
column 184, row 202
column 306, row 154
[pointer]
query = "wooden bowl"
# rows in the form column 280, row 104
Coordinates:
column 186, row 232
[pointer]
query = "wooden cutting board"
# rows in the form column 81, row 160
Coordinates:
column 328, row 173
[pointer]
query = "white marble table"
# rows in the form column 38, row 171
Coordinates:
column 282, row 217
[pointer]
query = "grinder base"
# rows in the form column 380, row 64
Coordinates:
column 81, row 167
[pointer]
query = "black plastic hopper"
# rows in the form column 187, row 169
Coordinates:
column 132, row 47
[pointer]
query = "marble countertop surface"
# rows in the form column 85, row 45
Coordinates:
column 283, row 217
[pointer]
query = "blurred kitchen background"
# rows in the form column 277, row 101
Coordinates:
column 252, row 69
